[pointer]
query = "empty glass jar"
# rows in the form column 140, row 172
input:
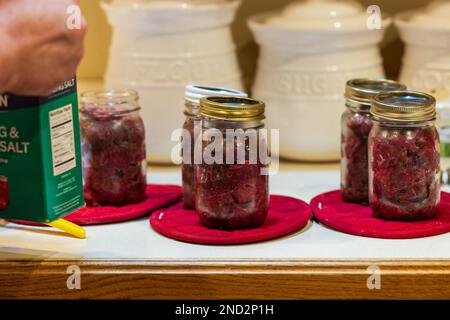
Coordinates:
column 404, row 163
column 113, row 148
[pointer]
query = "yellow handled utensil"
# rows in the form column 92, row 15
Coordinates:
column 69, row 227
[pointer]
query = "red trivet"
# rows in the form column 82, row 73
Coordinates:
column 355, row 219
column 286, row 215
column 158, row 196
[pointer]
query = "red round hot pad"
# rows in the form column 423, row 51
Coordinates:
column 355, row 219
column 286, row 215
column 158, row 196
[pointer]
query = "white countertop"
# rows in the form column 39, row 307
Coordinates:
column 136, row 239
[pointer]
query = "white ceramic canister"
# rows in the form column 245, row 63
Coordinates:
column 160, row 46
column 426, row 33
column 308, row 52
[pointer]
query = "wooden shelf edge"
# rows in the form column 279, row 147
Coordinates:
column 226, row 279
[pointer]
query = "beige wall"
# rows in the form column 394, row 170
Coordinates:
column 97, row 41
column 99, row 34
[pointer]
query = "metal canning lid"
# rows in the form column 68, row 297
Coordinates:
column 404, row 106
column 194, row 93
column 3, row 179
column 361, row 91
column 232, row 108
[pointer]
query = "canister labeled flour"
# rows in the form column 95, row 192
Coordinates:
column 40, row 164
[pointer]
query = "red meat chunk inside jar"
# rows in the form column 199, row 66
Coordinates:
column 405, row 168
column 404, row 160
column 354, row 158
column 113, row 148
column 232, row 196
column 187, row 168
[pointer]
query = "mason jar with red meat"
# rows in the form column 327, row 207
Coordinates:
column 4, row 193
column 404, row 161
column 113, row 148
column 356, row 124
column 193, row 94
column 232, row 190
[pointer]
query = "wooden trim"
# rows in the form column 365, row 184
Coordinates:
column 225, row 279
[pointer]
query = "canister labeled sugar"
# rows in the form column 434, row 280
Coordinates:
column 40, row 164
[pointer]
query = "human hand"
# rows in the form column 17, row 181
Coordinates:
column 39, row 51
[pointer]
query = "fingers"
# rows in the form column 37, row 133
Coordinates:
column 77, row 35
column 44, row 50
column 57, row 63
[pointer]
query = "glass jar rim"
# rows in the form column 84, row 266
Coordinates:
column 106, row 96
column 191, row 109
column 402, row 124
column 220, row 124
column 109, row 102
column 360, row 106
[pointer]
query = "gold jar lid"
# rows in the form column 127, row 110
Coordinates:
column 232, row 108
column 404, row 106
column 361, row 91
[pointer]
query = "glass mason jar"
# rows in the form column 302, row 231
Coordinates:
column 113, row 148
column 193, row 94
column 232, row 190
column 404, row 162
column 4, row 193
column 356, row 124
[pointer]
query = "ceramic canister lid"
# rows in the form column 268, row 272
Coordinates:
column 321, row 15
column 194, row 93
column 170, row 16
